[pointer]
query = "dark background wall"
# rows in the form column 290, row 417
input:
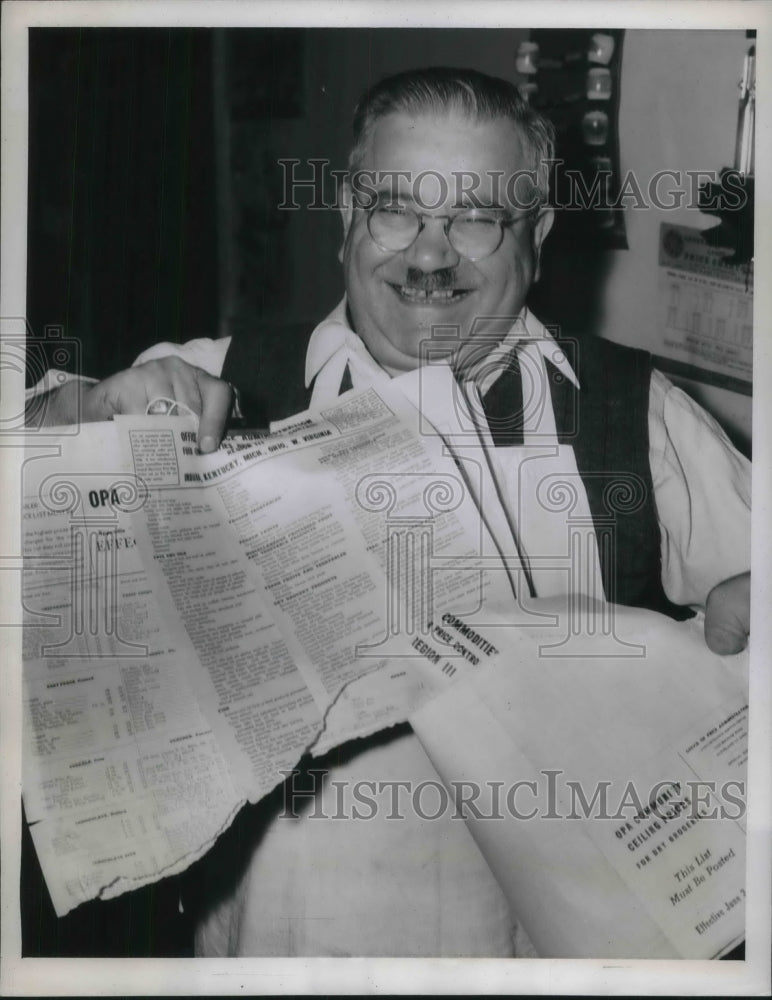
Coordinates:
column 122, row 229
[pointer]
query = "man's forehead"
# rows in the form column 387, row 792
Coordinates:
column 448, row 159
column 443, row 142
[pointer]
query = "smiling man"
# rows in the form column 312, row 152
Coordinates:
column 446, row 233
column 473, row 255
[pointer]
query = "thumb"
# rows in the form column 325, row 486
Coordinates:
column 216, row 402
column 728, row 615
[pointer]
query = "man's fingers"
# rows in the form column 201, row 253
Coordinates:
column 728, row 615
column 131, row 391
column 128, row 391
column 208, row 397
column 183, row 387
column 216, row 402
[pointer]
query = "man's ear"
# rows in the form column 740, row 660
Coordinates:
column 541, row 229
column 346, row 206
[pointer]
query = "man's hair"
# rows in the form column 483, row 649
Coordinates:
column 441, row 89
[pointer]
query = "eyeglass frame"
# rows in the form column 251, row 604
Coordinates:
column 503, row 224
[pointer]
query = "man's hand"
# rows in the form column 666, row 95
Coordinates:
column 131, row 390
column 728, row 615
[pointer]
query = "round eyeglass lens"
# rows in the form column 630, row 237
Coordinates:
column 475, row 236
column 393, row 228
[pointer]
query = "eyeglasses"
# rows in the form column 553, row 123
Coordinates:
column 475, row 233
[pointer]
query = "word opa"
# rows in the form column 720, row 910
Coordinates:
column 103, row 498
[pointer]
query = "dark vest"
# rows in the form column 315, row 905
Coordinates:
column 606, row 423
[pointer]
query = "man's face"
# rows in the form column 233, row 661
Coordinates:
column 385, row 289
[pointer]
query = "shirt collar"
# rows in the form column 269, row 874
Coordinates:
column 328, row 338
column 334, row 332
column 526, row 329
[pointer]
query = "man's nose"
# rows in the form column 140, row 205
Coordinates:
column 431, row 249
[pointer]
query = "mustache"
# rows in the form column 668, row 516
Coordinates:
column 435, row 281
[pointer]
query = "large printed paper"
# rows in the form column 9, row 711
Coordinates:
column 618, row 827
column 196, row 624
column 191, row 619
column 325, row 526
